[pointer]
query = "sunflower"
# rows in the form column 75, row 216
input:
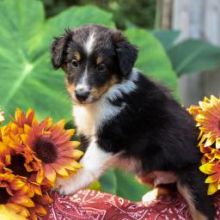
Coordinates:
column 32, row 155
column 14, row 194
column 41, row 202
column 10, row 140
column 22, row 118
column 207, row 116
column 213, row 170
column 17, row 167
column 51, row 144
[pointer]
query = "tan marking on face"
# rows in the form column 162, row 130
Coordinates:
column 77, row 56
column 99, row 60
column 185, row 192
column 97, row 92
column 70, row 87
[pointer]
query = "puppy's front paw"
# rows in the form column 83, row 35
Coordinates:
column 150, row 196
column 154, row 194
column 65, row 186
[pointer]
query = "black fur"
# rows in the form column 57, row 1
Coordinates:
column 152, row 127
column 156, row 130
column 126, row 53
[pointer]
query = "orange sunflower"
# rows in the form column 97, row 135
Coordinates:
column 22, row 118
column 207, row 116
column 41, row 203
column 51, row 144
column 10, row 140
column 14, row 195
column 32, row 155
column 213, row 170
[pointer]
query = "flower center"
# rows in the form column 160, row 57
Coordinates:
column 17, row 165
column 4, row 196
column 46, row 150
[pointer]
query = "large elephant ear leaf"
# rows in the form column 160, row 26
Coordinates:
column 27, row 78
column 152, row 58
column 77, row 16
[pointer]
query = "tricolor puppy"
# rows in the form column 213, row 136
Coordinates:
column 126, row 119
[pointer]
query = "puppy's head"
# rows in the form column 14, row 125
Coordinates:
column 94, row 58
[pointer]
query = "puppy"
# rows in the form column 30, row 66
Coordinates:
column 127, row 120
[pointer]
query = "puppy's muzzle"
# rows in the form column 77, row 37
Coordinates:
column 82, row 94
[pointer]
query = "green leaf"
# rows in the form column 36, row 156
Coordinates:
column 193, row 56
column 166, row 37
column 109, row 182
column 123, row 184
column 27, row 78
column 77, row 16
column 152, row 59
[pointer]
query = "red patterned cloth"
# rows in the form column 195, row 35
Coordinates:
column 94, row 205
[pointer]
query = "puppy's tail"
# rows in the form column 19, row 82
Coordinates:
column 193, row 189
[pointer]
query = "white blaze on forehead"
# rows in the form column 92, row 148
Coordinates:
column 89, row 43
column 83, row 83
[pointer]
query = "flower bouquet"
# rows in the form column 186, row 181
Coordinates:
column 207, row 116
column 32, row 155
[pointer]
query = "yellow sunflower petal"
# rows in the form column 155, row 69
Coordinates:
column 62, row 172
column 40, row 176
column 210, row 179
column 217, row 143
column 212, row 188
column 209, row 142
column 207, row 168
column 71, row 132
column 213, row 99
column 23, row 211
column 50, row 174
column 77, row 154
column 203, row 138
column 204, row 105
column 9, row 214
column 17, row 184
column 76, row 144
column 40, row 210
column 24, row 200
column 61, row 123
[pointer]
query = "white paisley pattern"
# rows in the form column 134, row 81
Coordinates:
column 94, row 205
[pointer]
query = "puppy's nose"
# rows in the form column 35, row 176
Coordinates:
column 82, row 94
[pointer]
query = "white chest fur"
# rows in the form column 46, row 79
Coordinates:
column 88, row 118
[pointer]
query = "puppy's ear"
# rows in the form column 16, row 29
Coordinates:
column 126, row 53
column 58, row 49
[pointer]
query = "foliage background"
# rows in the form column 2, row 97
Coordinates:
column 28, row 80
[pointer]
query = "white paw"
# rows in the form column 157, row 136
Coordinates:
column 65, row 186
column 150, row 196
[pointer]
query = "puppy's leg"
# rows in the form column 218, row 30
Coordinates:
column 193, row 189
column 164, row 183
column 94, row 162
column 154, row 194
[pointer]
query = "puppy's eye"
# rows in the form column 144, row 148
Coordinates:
column 101, row 67
column 75, row 63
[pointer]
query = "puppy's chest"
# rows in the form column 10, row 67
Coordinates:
column 89, row 118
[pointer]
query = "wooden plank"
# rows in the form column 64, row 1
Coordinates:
column 198, row 19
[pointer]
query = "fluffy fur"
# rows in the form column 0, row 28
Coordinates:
column 126, row 119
